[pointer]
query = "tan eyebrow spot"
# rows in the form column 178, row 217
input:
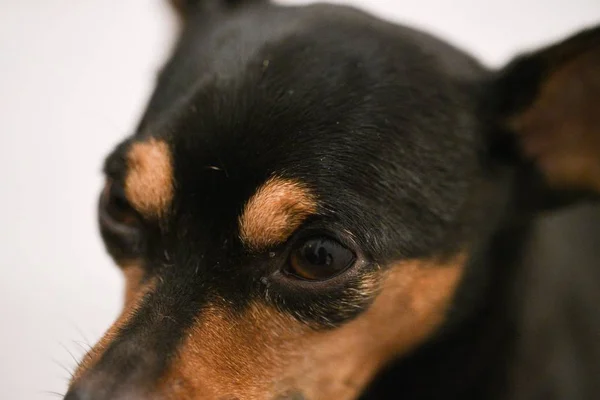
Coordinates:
column 149, row 181
column 273, row 213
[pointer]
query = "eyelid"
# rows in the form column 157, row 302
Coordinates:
column 322, row 230
column 113, row 199
column 113, row 174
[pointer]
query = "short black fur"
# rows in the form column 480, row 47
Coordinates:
column 397, row 134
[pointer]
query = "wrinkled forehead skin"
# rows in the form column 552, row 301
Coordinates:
column 263, row 128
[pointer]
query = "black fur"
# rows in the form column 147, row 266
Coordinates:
column 398, row 134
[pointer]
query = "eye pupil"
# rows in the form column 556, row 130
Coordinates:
column 320, row 259
column 317, row 253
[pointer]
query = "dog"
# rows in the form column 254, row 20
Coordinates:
column 319, row 204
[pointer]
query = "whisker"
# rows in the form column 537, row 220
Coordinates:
column 84, row 346
column 81, row 333
column 70, row 353
column 50, row 392
column 63, row 367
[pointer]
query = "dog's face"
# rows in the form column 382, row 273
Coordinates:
column 296, row 208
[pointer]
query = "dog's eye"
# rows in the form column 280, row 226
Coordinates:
column 114, row 205
column 319, row 258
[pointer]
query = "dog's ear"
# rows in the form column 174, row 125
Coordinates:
column 187, row 7
column 548, row 103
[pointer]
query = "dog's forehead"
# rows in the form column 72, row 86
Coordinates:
column 365, row 119
column 302, row 45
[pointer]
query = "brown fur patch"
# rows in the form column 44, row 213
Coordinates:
column 134, row 292
column 149, row 181
column 561, row 130
column 266, row 354
column 277, row 208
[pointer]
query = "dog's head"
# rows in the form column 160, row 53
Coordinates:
column 305, row 191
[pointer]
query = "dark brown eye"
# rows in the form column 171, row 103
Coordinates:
column 319, row 258
column 114, row 206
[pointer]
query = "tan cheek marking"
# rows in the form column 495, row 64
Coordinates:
column 149, row 181
column 134, row 274
column 226, row 357
column 266, row 354
column 274, row 212
column 134, row 293
column 412, row 303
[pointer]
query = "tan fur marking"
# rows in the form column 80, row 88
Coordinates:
column 134, row 292
column 149, row 181
column 274, row 212
column 266, row 354
column 228, row 357
column 134, row 274
column 561, row 130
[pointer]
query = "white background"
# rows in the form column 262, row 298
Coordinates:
column 74, row 77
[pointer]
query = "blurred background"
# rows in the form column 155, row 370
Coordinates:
column 74, row 78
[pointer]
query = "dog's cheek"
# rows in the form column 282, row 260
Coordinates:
column 234, row 356
column 411, row 305
column 265, row 354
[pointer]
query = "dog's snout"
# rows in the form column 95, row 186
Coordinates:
column 80, row 393
column 125, row 369
column 87, row 390
column 293, row 395
column 76, row 394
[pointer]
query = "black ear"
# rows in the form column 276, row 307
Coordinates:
column 548, row 103
column 187, row 7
